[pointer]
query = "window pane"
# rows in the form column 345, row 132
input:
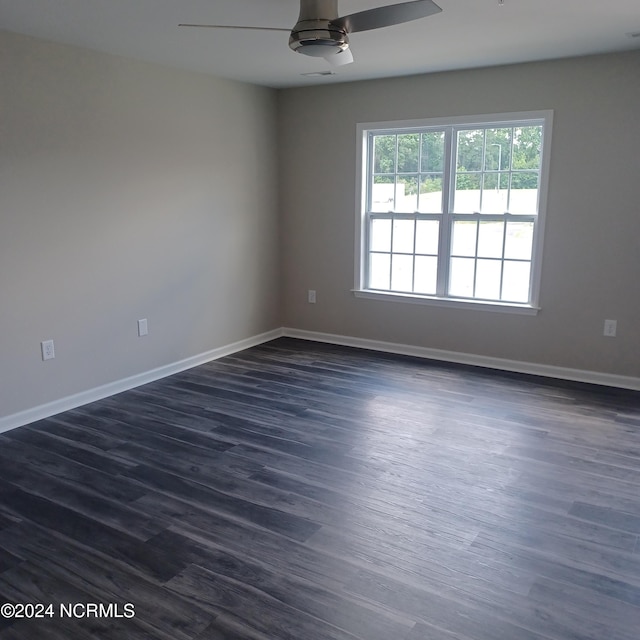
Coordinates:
column 477, row 177
column 467, row 195
column 379, row 270
column 464, row 238
column 427, row 236
column 515, row 281
column 406, row 194
column 495, row 192
column 430, row 193
column 527, row 146
column 382, row 194
column 402, row 273
column 519, row 240
column 470, row 147
column 523, row 198
column 433, row 151
column 488, row 279
column 426, row 275
column 524, row 180
column 408, row 152
column 403, row 236
column 497, row 155
column 490, row 239
column 380, row 235
column 384, row 154
column 461, row 277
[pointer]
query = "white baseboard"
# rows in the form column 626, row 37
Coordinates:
column 91, row 395
column 548, row 371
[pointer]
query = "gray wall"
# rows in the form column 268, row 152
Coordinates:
column 592, row 240
column 127, row 191
column 130, row 191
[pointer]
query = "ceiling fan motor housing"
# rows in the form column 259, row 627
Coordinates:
column 314, row 34
column 318, row 38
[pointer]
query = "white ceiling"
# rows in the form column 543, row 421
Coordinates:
column 468, row 33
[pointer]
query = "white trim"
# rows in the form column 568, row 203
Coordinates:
column 361, row 191
column 543, row 117
column 543, row 194
column 496, row 307
column 98, row 393
column 464, row 121
column 91, row 395
column 516, row 366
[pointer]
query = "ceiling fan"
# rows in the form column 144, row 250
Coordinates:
column 320, row 32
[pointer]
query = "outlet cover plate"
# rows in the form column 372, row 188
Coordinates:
column 143, row 327
column 610, row 328
column 48, row 350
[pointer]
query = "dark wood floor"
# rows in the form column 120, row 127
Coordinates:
column 311, row 492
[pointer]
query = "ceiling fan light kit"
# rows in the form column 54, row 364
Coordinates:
column 317, row 38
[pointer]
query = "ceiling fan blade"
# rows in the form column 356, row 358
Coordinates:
column 387, row 16
column 231, row 26
column 340, row 59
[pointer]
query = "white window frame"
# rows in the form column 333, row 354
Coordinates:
column 462, row 122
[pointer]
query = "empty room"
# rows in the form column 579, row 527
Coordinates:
column 319, row 320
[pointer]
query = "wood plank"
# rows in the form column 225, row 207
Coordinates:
column 306, row 490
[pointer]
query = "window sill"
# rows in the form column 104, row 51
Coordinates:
column 452, row 303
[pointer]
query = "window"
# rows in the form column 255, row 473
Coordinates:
column 453, row 211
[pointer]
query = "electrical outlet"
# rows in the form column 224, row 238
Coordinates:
column 143, row 327
column 311, row 296
column 610, row 328
column 48, row 351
